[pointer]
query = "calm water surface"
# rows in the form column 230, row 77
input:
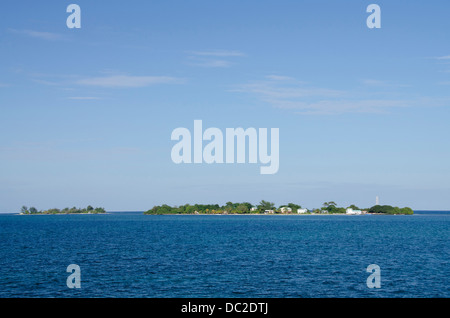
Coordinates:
column 134, row 255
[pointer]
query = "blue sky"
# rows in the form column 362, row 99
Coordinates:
column 87, row 114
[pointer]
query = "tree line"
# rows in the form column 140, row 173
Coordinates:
column 264, row 206
column 74, row 210
column 229, row 207
column 387, row 209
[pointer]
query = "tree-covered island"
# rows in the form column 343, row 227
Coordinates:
column 266, row 207
column 74, row 210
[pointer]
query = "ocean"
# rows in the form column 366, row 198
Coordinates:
column 132, row 255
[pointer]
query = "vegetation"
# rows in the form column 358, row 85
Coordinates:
column 228, row 208
column 387, row 209
column 330, row 207
column 265, row 207
column 74, row 210
column 293, row 206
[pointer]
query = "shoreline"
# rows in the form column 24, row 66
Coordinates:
column 270, row 214
column 222, row 214
column 58, row 213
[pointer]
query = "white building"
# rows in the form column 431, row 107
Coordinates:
column 253, row 209
column 302, row 211
column 354, row 212
column 285, row 209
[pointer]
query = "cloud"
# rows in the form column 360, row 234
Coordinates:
column 372, row 82
column 217, row 53
column 213, row 58
column 279, row 78
column 212, row 63
column 125, row 81
column 381, row 83
column 49, row 36
column 58, row 150
column 447, row 57
column 270, row 90
column 340, row 106
column 45, row 82
column 300, row 98
column 53, row 79
column 108, row 80
column 83, row 98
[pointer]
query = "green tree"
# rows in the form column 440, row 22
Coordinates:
column 382, row 209
column 242, row 208
column 99, row 210
column 24, row 210
column 266, row 205
column 52, row 211
column 387, row 209
column 190, row 209
column 406, row 210
column 228, row 207
column 328, row 204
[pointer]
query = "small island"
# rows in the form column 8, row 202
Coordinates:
column 74, row 210
column 266, row 207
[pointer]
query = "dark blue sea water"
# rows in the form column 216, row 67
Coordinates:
column 134, row 255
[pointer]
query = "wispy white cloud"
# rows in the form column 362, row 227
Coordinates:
column 270, row 90
column 303, row 99
column 213, row 58
column 83, row 98
column 49, row 36
column 373, row 82
column 51, row 152
column 45, row 82
column 125, row 81
column 446, row 57
column 60, row 80
column 381, row 83
column 105, row 80
column 211, row 63
column 279, row 78
column 217, row 53
column 340, row 106
column 362, row 105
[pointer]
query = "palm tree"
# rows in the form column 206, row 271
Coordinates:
column 327, row 204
